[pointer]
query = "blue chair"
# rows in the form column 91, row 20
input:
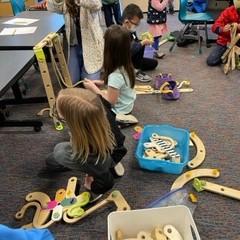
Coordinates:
column 18, row 6
column 192, row 23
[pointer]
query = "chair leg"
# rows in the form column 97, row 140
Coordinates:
column 206, row 36
column 199, row 40
column 180, row 35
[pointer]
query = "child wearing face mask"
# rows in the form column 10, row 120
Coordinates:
column 131, row 18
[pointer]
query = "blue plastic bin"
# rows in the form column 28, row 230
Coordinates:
column 178, row 134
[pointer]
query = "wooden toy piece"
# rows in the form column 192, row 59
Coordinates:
column 151, row 154
column 138, row 132
column 57, row 213
column 76, row 210
column 60, row 195
column 138, row 129
column 71, row 187
column 169, row 141
column 175, row 157
column 157, row 234
column 142, row 235
column 201, row 185
column 38, row 200
column 115, row 197
column 154, row 146
column 119, row 235
column 172, row 233
column 193, row 197
column 40, row 197
column 201, row 151
column 188, row 176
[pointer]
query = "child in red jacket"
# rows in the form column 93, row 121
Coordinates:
column 222, row 27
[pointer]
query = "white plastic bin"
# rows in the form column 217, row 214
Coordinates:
column 132, row 222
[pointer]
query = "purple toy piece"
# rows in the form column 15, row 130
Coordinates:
column 149, row 52
column 167, row 77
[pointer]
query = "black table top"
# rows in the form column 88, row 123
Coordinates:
column 13, row 64
column 48, row 22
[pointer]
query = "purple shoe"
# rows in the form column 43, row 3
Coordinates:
column 167, row 86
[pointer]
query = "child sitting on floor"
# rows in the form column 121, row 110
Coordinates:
column 222, row 27
column 131, row 18
column 119, row 76
column 96, row 144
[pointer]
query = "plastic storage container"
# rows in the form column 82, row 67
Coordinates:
column 132, row 222
column 178, row 134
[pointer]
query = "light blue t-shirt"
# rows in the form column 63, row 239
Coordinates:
column 119, row 79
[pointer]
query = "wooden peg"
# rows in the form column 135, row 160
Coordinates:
column 157, row 234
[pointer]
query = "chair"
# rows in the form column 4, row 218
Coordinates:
column 192, row 21
column 18, row 6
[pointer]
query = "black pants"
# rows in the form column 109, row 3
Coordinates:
column 144, row 64
column 110, row 10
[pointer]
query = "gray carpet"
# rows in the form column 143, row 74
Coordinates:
column 212, row 110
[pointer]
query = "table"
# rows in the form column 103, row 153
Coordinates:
column 13, row 65
column 48, row 22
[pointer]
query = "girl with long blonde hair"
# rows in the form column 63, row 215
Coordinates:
column 96, row 145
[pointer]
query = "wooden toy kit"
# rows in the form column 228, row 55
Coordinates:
column 66, row 205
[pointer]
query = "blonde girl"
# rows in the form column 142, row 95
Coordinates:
column 95, row 147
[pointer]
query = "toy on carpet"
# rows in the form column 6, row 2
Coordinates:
column 201, row 185
column 200, row 151
column 167, row 232
column 165, row 85
column 137, row 134
column 189, row 175
column 231, row 57
column 161, row 148
column 67, row 205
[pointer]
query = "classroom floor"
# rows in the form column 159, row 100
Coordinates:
column 212, row 111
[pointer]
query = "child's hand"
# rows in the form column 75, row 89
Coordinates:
column 227, row 28
column 98, row 82
column 89, row 84
column 146, row 42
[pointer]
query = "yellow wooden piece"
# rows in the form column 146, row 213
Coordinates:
column 201, row 151
column 40, row 197
column 219, row 189
column 193, row 198
column 60, row 195
column 188, row 176
column 71, row 187
column 115, row 197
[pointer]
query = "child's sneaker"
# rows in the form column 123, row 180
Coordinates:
column 142, row 77
column 159, row 55
column 119, row 170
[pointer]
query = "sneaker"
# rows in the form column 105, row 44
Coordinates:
column 119, row 170
column 159, row 55
column 142, row 77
